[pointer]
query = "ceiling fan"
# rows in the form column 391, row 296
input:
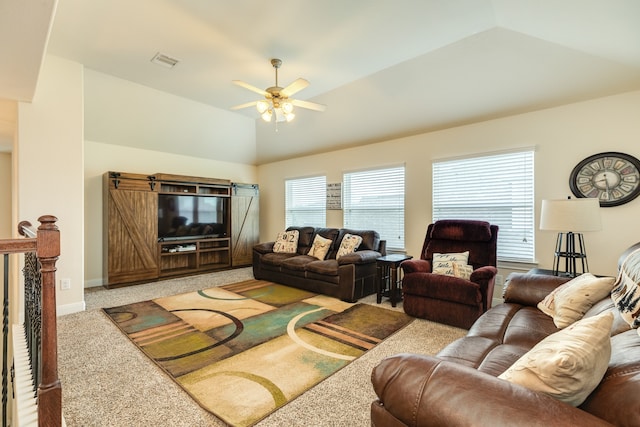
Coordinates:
column 277, row 100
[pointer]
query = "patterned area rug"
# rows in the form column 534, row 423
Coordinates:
column 244, row 350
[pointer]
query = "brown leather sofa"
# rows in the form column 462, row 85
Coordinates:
column 349, row 278
column 458, row 387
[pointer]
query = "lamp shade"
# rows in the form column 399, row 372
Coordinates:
column 571, row 215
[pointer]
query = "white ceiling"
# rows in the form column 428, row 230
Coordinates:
column 384, row 68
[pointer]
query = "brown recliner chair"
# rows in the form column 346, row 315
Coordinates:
column 447, row 299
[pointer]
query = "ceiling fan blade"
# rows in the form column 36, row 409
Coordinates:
column 308, row 105
column 245, row 105
column 250, row 87
column 294, row 87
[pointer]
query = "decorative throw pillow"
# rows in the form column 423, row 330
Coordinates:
column 286, row 242
column 462, row 257
column 443, row 267
column 547, row 305
column 570, row 301
column 569, row 364
column 462, row 271
column 349, row 244
column 320, row 247
column 626, row 291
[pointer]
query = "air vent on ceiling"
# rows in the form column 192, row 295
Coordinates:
column 164, row 60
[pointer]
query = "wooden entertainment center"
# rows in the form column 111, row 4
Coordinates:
column 161, row 226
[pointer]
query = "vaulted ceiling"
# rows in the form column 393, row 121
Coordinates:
column 383, row 68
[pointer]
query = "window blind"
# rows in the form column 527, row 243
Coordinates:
column 496, row 188
column 305, row 201
column 374, row 200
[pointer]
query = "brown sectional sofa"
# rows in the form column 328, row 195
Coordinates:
column 349, row 278
column 458, row 387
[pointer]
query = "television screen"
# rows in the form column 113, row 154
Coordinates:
column 189, row 216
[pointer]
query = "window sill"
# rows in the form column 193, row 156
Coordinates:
column 517, row 265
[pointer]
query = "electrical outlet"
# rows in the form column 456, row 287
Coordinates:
column 499, row 280
column 65, row 284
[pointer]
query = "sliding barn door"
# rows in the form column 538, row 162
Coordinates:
column 130, row 230
column 245, row 222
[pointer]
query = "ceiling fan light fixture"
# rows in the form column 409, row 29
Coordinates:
column 262, row 106
column 287, row 107
column 277, row 100
column 266, row 115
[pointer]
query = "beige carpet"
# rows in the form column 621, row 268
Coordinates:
column 108, row 382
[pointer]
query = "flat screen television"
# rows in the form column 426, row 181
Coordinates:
column 186, row 216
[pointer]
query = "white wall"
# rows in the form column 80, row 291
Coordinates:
column 562, row 136
column 49, row 170
column 6, row 231
column 5, row 197
column 121, row 112
column 101, row 158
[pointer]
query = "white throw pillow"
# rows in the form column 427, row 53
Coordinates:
column 462, row 257
column 569, row 364
column 443, row 267
column 349, row 244
column 570, row 301
column 286, row 242
column 462, row 271
column 320, row 247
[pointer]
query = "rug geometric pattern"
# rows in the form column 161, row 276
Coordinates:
column 244, row 350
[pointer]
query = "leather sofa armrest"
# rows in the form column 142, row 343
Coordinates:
column 382, row 247
column 359, row 257
column 428, row 391
column 530, row 289
column 416, row 266
column 264, row 248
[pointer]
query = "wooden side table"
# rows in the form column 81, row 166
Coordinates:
column 387, row 280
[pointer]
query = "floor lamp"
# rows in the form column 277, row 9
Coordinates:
column 576, row 215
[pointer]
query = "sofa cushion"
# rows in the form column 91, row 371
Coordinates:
column 328, row 267
column 297, row 263
column 276, row 259
column 570, row 301
column 499, row 337
column 626, row 290
column 569, row 364
column 320, row 247
column 286, row 242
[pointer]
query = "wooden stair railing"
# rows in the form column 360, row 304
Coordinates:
column 42, row 340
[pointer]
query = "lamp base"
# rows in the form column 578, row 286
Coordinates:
column 571, row 253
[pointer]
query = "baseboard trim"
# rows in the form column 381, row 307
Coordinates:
column 76, row 307
column 93, row 283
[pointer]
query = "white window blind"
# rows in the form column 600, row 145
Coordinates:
column 374, row 200
column 305, row 201
column 496, row 188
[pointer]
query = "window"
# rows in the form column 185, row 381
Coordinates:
column 305, row 200
column 496, row 188
column 374, row 200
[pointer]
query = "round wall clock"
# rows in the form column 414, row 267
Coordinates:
column 613, row 178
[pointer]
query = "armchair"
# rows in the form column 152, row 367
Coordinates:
column 448, row 299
